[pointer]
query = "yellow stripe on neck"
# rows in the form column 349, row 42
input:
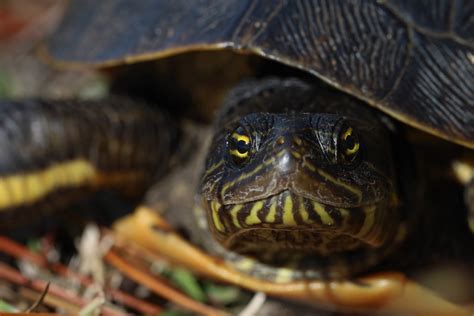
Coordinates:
column 27, row 188
column 288, row 218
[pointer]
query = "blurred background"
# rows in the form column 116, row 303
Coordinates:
column 23, row 25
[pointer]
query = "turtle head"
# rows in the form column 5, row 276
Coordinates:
column 301, row 184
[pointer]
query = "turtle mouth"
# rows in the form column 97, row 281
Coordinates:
column 287, row 222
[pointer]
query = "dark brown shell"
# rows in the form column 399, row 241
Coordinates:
column 412, row 59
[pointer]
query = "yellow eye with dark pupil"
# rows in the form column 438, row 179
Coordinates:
column 242, row 147
column 350, row 143
column 239, row 146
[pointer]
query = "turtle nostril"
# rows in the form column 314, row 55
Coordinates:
column 280, row 140
column 297, row 141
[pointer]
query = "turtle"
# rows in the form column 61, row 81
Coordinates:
column 322, row 166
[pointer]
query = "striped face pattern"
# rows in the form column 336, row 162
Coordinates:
column 286, row 184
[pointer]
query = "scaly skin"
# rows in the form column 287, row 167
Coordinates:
column 312, row 189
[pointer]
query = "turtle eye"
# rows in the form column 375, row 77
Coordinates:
column 239, row 144
column 348, row 144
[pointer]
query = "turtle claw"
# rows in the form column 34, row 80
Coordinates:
column 388, row 291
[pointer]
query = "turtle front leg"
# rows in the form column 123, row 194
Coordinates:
column 64, row 151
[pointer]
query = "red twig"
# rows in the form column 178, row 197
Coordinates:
column 12, row 275
column 17, row 250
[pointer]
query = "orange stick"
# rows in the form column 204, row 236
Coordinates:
column 158, row 286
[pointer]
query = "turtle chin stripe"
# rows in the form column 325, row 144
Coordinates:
column 288, row 222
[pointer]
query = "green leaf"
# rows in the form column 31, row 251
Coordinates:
column 7, row 308
column 187, row 282
column 34, row 245
column 4, row 85
column 222, row 294
column 175, row 313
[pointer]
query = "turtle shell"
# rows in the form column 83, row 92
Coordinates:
column 411, row 59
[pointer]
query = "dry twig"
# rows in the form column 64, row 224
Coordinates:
column 158, row 286
column 18, row 251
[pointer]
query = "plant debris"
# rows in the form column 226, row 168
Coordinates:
column 77, row 289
